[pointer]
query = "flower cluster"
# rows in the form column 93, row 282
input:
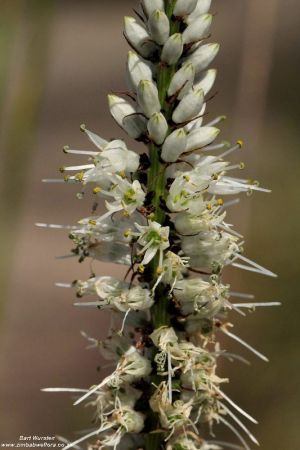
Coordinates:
column 165, row 219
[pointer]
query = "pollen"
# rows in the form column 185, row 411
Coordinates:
column 220, row 202
column 97, row 190
column 240, row 143
column 141, row 268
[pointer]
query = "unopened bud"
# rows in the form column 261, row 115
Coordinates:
column 157, row 128
column 198, row 29
column 139, row 37
column 172, row 49
column 203, row 56
column 189, row 107
column 159, row 27
column 148, row 99
column 182, row 81
column 174, row 145
column 137, row 70
column 184, row 7
column 201, row 137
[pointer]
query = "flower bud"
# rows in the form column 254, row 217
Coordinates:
column 151, row 5
column 174, row 145
column 139, row 37
column 202, row 7
column 184, row 7
column 172, row 49
column 182, row 81
column 198, row 29
column 203, row 56
column 137, row 70
column 157, row 128
column 206, row 80
column 201, row 137
column 159, row 27
column 189, row 107
column 122, row 111
column 197, row 123
column 148, row 99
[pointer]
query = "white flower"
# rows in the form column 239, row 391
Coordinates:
column 137, row 70
column 203, row 56
column 159, row 26
column 210, row 249
column 157, row 128
column 116, row 294
column 172, row 50
column 202, row 7
column 182, row 81
column 139, row 37
column 174, row 145
column 202, row 297
column 148, row 97
column 189, row 107
column 126, row 116
column 184, row 7
column 201, row 137
column 174, row 267
column 128, row 197
column 197, row 29
column 152, row 5
column 154, row 239
column 206, row 80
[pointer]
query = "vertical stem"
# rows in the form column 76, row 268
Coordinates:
column 157, row 185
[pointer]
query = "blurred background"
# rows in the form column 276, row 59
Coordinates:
column 58, row 60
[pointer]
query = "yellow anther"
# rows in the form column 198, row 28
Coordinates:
column 242, row 165
column 209, row 206
column 79, row 176
column 66, row 178
column 220, row 202
column 127, row 233
column 214, row 176
column 66, row 148
column 82, row 127
column 159, row 270
column 151, row 216
column 92, row 222
column 240, row 143
column 61, row 169
column 125, row 214
column 141, row 268
column 186, row 178
column 97, row 189
column 122, row 174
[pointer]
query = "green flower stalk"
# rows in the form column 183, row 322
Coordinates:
column 165, row 220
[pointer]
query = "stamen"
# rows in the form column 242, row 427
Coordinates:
column 234, row 430
column 257, row 266
column 241, row 295
column 55, row 226
column 245, row 344
column 216, row 121
column 235, row 406
column 63, row 285
column 254, row 305
column 241, row 425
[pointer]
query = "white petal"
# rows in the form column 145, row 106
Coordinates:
column 182, row 81
column 138, row 37
column 206, row 80
column 184, row 7
column 172, row 50
column 152, row 5
column 197, row 29
column 125, row 115
column 203, row 56
column 189, row 107
column 159, row 27
column 174, row 145
column 201, row 137
column 148, row 97
column 137, row 70
column 157, row 128
column 203, row 6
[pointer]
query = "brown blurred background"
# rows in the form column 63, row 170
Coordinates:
column 58, row 60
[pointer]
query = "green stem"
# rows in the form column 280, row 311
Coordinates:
column 157, row 185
